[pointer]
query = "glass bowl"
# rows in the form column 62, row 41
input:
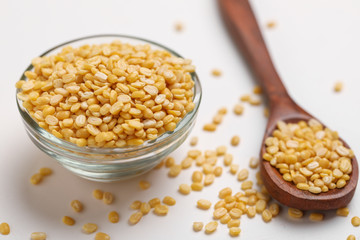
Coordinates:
column 110, row 164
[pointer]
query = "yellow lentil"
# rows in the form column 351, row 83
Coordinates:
column 316, row 217
column 271, row 24
column 184, row 189
column 235, row 140
column 76, row 205
column 274, row 208
column 243, row 174
column 234, row 231
column 198, row 226
column 225, row 192
column 36, row 178
column 169, row 201
column 108, row 198
column 161, row 210
column 338, row 86
column 235, row 213
column 196, row 186
column 45, row 171
column 221, row 150
column 295, row 213
column 89, row 228
column 210, row 127
column 98, row 194
column 219, row 212
column 169, row 162
column 233, row 223
column 225, row 219
column 38, row 236
column 144, row 184
column 4, row 228
column 266, row 215
column 203, row 204
column 145, row 208
column 194, row 141
column 344, row 212
column 174, row 170
column 216, row 72
column 102, row 236
column 135, row 218
column 218, row 171
column 209, row 179
column 135, row 205
column 238, row 109
column 211, row 227
column 351, row 237
column 234, row 168
column 355, row 221
column 68, row 220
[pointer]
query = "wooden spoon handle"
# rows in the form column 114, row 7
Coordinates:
column 246, row 34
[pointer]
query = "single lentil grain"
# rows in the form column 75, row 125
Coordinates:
column 76, row 205
column 144, row 184
column 198, row 226
column 316, row 217
column 355, row 221
column 89, row 228
column 4, row 228
column 203, row 204
column 113, row 217
column 161, row 210
column 98, row 194
column 344, row 212
column 102, row 236
column 108, row 198
column 169, row 201
column 135, row 218
column 38, row 236
column 235, row 140
column 184, row 189
column 234, row 231
column 211, row 227
column 68, row 220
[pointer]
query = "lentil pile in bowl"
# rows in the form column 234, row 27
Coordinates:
column 109, row 101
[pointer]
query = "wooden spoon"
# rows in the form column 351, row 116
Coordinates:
column 246, row 34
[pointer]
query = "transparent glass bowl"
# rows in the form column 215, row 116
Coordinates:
column 110, row 164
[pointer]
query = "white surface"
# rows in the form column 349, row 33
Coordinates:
column 314, row 44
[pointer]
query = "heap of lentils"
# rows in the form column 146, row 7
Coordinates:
column 108, row 95
column 309, row 155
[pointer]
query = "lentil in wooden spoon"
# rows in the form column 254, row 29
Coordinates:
column 246, row 34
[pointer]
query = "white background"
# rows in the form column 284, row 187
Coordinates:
column 315, row 43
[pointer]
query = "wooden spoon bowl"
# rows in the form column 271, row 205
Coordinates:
column 288, row 194
column 246, row 34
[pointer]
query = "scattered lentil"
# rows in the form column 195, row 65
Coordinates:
column 235, row 140
column 203, row 204
column 169, row 201
column 68, row 220
column 144, row 184
column 194, row 141
column 98, row 194
column 89, row 228
column 344, row 212
column 4, row 228
column 316, row 217
column 108, row 198
column 38, row 236
column 198, row 226
column 113, row 217
column 135, row 218
column 184, row 189
column 211, row 227
column 102, row 236
column 76, row 205
column 161, row 210
column 355, row 221
column 338, row 86
column 295, row 213
column 216, row 72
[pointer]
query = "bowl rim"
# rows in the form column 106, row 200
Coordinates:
column 189, row 117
